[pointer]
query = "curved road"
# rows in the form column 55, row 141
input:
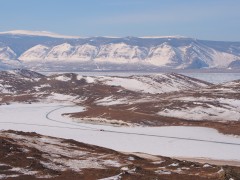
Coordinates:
column 130, row 133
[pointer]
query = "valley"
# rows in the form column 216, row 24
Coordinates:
column 165, row 115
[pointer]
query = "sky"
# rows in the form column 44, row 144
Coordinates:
column 201, row 19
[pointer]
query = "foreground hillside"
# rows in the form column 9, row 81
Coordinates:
column 33, row 156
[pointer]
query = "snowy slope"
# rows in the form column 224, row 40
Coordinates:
column 37, row 52
column 121, row 53
column 60, row 52
column 6, row 53
column 164, row 55
column 160, row 83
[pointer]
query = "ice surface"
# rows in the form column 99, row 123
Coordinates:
column 32, row 117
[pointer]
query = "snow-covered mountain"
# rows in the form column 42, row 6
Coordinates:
column 48, row 50
column 6, row 53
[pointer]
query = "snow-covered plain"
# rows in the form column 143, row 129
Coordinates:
column 46, row 119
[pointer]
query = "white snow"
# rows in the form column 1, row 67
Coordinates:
column 117, row 177
column 158, row 83
column 100, row 120
column 6, row 53
column 60, row 155
column 174, row 164
column 4, row 176
column 163, row 172
column 35, row 115
column 60, row 97
column 109, row 101
column 120, row 53
column 79, row 77
column 127, row 83
column 38, row 88
column 228, row 111
column 60, row 52
column 37, row 52
column 63, row 78
column 6, row 89
column 207, row 165
column 161, row 55
column 38, row 33
column 89, row 79
column 85, row 52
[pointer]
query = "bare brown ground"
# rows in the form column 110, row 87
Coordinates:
column 145, row 166
column 142, row 118
column 210, row 161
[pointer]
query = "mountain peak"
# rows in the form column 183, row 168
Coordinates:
column 39, row 33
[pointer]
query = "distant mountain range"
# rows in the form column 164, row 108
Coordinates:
column 48, row 51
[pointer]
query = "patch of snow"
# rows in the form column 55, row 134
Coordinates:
column 109, row 101
column 174, row 164
column 163, row 172
column 79, row 77
column 111, row 163
column 5, row 176
column 63, row 78
column 100, row 120
column 158, row 162
column 220, row 171
column 117, row 177
column 229, row 109
column 154, row 84
column 77, row 165
column 89, row 79
column 161, row 55
column 23, row 171
column 38, row 88
column 207, row 165
column 124, row 168
column 131, row 158
column 60, row 97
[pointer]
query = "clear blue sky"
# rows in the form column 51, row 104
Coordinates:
column 202, row 19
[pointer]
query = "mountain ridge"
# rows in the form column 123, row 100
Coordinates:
column 169, row 52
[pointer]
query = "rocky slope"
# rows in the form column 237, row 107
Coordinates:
column 33, row 156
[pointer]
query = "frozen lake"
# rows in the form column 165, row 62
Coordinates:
column 174, row 141
column 215, row 77
column 209, row 77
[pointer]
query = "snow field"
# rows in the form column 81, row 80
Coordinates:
column 120, row 138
